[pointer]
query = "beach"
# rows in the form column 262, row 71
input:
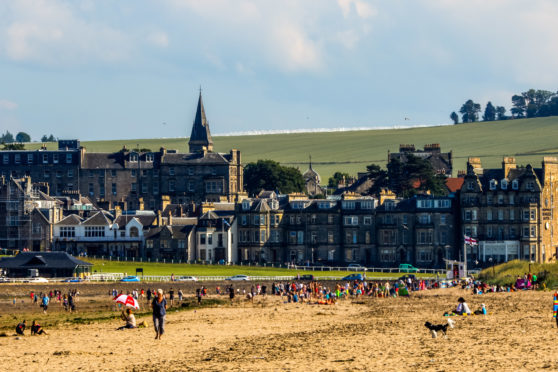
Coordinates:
column 362, row 333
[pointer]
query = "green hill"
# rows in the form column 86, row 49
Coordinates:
column 526, row 139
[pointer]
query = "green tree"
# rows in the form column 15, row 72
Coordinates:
column 379, row 178
column 519, row 106
column 454, row 117
column 7, row 137
column 337, row 177
column 44, row 138
column 489, row 112
column 51, row 138
column 501, row 113
column 14, row 146
column 23, row 137
column 270, row 175
column 470, row 111
column 414, row 176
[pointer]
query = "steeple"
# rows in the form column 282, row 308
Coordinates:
column 200, row 139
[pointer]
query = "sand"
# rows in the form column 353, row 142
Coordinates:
column 269, row 335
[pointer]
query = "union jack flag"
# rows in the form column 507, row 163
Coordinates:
column 470, row 241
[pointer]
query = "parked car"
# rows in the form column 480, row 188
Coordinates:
column 130, row 278
column 356, row 267
column 407, row 268
column 36, row 279
column 304, row 277
column 354, row 277
column 238, row 277
column 186, row 279
column 73, row 280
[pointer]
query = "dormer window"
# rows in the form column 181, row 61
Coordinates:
column 515, row 185
column 245, row 205
column 504, row 184
column 493, row 184
column 149, row 157
column 471, row 186
column 133, row 157
column 274, row 204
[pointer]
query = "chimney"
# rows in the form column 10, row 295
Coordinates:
column 117, row 211
column 475, row 164
column 165, row 201
column 141, row 204
column 508, row 163
column 158, row 223
column 386, row 194
column 180, row 211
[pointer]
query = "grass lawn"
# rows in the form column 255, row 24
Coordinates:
column 526, row 139
column 151, row 268
column 507, row 273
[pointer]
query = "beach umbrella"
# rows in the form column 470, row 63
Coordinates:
column 127, row 300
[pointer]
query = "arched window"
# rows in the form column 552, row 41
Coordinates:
column 134, row 232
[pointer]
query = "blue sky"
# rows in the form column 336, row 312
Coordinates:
column 120, row 69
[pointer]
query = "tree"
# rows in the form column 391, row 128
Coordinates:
column 470, row 111
column 454, row 117
column 270, row 175
column 51, row 138
column 379, row 177
column 413, row 176
column 23, row 137
column 14, row 146
column 489, row 112
column 519, row 106
column 501, row 113
column 337, row 177
column 7, row 138
column 44, row 138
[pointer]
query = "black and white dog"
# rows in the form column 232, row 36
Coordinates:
column 435, row 328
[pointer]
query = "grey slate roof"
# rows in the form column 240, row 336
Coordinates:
column 44, row 260
column 70, row 220
column 200, row 130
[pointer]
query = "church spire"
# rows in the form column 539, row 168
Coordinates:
column 200, row 138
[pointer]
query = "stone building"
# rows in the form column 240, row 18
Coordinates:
column 128, row 177
column 442, row 162
column 312, row 181
column 511, row 211
column 27, row 215
column 420, row 231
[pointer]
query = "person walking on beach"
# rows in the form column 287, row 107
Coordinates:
column 231, row 293
column 44, row 303
column 199, row 295
column 159, row 306
column 171, row 296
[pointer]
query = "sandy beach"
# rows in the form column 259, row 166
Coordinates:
column 356, row 334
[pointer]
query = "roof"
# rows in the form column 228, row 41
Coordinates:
column 200, row 130
column 144, row 220
column 454, row 184
column 42, row 260
column 72, row 219
column 195, row 158
column 177, row 232
column 98, row 219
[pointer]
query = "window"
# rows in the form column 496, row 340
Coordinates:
column 346, row 204
column 101, row 190
column 5, row 159
column 133, row 157
column 144, row 173
column 68, row 158
column 155, row 188
column 531, row 186
column 471, row 186
column 493, row 184
column 526, row 215
column 144, row 188
column 387, row 254
column 511, row 199
column 330, row 219
column 424, row 255
column 351, row 220
column 55, row 158
column 94, row 231
column 134, row 187
column 388, row 237
column 313, row 237
column 190, row 171
column 533, row 215
column 489, row 232
column 489, row 215
column 45, row 158
column 368, row 204
column 313, row 219
column 70, row 173
column 262, row 236
column 155, row 172
column 424, row 237
column 443, row 237
column 213, row 187
column 330, row 238
column 274, row 236
column 58, row 174
column 91, row 189
column 113, row 173
column 171, row 171
column 46, row 173
column 17, row 158
column 367, row 220
column 500, row 214
column 29, row 158
column 202, row 239
column 489, row 199
column 182, row 244
column 533, row 231
column 114, row 189
column 443, row 219
column 209, row 239
column 504, row 184
column 300, row 237
column 424, row 219
column 171, row 185
column 149, row 157
column 367, row 237
column 37, row 228
column 515, row 184
column 468, row 215
column 262, row 220
column 256, row 220
column 292, row 220
column 525, row 232
column 149, row 244
column 298, row 220
column 134, row 173
column 67, row 231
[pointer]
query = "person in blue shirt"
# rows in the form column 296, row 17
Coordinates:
column 159, row 305
column 45, row 302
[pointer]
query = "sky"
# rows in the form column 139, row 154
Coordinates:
column 102, row 69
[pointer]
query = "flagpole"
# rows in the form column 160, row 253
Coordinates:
column 465, row 258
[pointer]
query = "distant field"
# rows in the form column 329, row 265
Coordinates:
column 526, row 139
column 151, row 268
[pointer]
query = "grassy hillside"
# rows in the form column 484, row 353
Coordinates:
column 507, row 273
column 527, row 139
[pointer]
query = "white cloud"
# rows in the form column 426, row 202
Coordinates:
column 7, row 105
column 361, row 8
column 53, row 32
column 158, row 38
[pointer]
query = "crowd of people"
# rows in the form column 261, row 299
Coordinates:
column 45, row 299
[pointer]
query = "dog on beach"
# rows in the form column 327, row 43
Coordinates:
column 435, row 328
